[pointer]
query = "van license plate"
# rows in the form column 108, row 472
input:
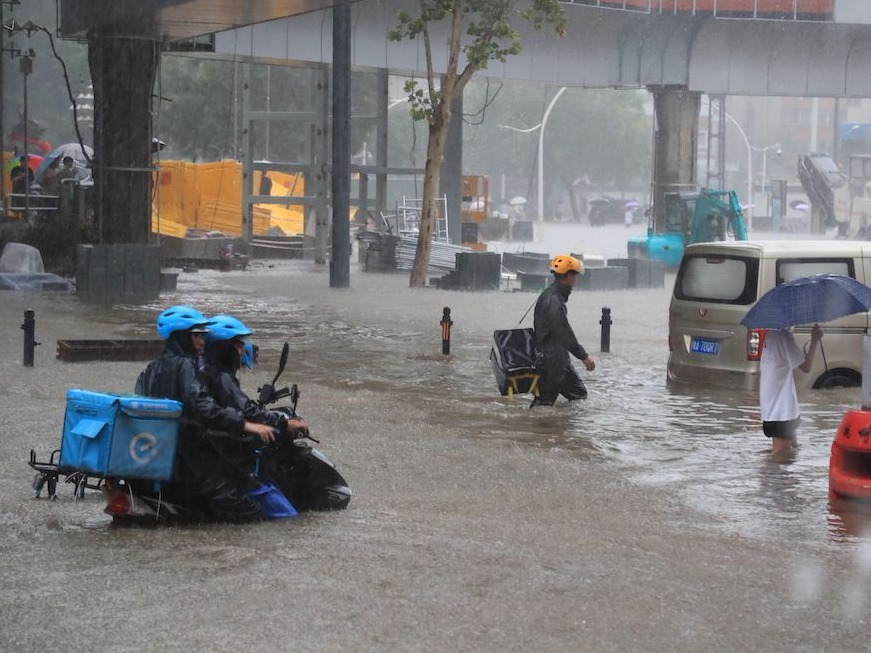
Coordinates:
column 705, row 346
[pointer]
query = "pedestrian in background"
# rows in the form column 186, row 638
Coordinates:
column 71, row 171
column 50, row 182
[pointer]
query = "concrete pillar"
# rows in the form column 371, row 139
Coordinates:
column 451, row 183
column 318, row 177
column 340, row 260
column 382, row 100
column 364, row 192
column 123, row 69
column 676, row 142
column 247, row 158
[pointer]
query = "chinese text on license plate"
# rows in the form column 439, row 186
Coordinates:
column 705, row 346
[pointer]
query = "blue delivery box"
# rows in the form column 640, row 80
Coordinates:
column 120, row 435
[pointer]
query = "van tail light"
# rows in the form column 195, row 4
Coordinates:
column 755, row 343
column 670, row 346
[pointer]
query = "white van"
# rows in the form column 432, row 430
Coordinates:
column 716, row 285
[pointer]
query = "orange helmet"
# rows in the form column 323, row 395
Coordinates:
column 564, row 263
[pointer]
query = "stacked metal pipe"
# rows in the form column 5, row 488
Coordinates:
column 441, row 260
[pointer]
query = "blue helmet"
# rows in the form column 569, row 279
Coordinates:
column 225, row 327
column 180, row 318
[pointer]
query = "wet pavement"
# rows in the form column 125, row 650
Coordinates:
column 645, row 518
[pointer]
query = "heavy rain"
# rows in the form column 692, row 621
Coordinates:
column 242, row 160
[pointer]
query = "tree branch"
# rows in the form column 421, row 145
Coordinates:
column 455, row 40
column 466, row 76
column 430, row 75
column 470, row 68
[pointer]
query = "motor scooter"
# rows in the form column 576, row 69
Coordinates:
column 305, row 475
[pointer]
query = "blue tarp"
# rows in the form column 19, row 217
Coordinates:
column 854, row 131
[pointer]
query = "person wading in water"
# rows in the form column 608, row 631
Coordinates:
column 555, row 339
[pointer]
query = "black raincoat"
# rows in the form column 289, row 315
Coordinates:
column 555, row 340
column 201, row 479
column 224, row 387
column 222, row 384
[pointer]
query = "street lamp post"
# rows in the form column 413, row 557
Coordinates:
column 749, row 171
column 540, row 161
column 541, row 152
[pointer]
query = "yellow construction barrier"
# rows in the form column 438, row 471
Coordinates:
column 164, row 227
column 209, row 196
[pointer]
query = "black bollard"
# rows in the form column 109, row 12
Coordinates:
column 30, row 343
column 446, row 330
column 605, row 345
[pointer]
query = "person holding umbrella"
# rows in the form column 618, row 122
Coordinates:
column 806, row 300
column 778, row 401
column 629, row 210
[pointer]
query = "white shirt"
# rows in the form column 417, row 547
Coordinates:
column 777, row 398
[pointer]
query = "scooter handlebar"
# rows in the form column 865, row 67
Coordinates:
column 281, row 394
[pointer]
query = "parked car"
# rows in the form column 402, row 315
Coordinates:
column 610, row 210
column 716, row 285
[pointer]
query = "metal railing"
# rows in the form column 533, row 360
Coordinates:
column 17, row 202
column 796, row 10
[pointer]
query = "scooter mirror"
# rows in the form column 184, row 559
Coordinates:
column 285, row 351
column 267, row 393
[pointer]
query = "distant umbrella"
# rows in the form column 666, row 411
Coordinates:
column 801, row 206
column 73, row 150
column 631, row 204
column 808, row 300
column 517, row 201
column 33, row 161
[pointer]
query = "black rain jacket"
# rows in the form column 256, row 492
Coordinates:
column 202, row 478
column 174, row 376
column 223, row 385
column 553, row 333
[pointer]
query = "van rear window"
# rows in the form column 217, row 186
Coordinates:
column 789, row 269
column 718, row 279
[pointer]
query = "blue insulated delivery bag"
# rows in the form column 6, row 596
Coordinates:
column 120, row 435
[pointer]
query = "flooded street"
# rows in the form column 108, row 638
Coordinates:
column 645, row 518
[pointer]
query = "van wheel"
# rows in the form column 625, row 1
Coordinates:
column 838, row 379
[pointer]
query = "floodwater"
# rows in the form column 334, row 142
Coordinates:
column 434, row 455
column 704, row 442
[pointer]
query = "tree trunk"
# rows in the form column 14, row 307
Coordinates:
column 123, row 71
column 435, row 148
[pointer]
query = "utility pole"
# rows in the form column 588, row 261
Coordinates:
column 26, row 66
column 12, row 52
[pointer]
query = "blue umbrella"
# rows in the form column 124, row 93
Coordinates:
column 73, row 150
column 807, row 300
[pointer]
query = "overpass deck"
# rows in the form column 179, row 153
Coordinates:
column 606, row 47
